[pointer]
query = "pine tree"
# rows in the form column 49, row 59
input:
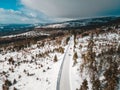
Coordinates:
column 84, row 85
column 55, row 58
column 75, row 58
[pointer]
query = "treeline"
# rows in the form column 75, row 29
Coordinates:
column 20, row 42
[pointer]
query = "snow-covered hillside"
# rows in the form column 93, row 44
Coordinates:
column 81, row 23
column 91, row 59
column 97, row 64
column 33, row 68
column 32, row 33
column 62, row 25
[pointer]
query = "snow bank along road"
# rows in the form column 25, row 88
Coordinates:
column 64, row 74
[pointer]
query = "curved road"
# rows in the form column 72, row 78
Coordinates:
column 64, row 82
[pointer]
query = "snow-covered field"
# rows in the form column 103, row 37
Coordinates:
column 32, row 68
column 97, row 55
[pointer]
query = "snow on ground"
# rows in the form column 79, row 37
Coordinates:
column 31, row 70
column 77, row 76
column 27, row 34
column 62, row 25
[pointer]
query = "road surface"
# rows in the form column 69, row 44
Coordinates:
column 65, row 72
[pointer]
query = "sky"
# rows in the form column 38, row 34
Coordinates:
column 43, row 11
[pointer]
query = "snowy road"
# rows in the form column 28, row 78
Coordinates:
column 65, row 73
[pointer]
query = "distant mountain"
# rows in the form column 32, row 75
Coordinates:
column 10, row 29
column 83, row 23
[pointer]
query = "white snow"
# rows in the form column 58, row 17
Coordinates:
column 27, row 34
column 77, row 76
column 33, row 73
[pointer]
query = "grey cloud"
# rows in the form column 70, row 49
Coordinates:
column 72, row 8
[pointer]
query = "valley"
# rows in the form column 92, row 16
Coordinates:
column 60, row 57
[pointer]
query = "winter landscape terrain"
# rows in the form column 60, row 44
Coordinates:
column 71, row 55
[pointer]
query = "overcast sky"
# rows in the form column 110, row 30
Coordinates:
column 74, row 8
column 26, row 11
